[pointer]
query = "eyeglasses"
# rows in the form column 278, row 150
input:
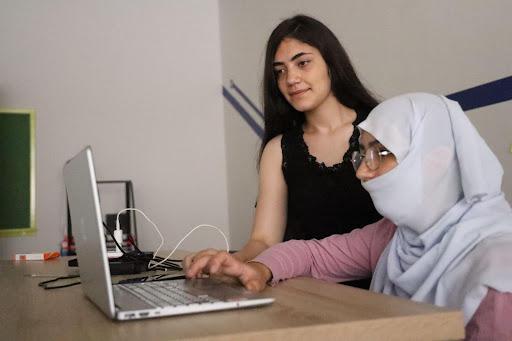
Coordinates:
column 372, row 158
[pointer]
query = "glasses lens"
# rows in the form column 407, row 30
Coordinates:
column 356, row 160
column 372, row 158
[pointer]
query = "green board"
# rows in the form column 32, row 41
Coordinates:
column 17, row 172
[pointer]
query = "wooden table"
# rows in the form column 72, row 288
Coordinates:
column 305, row 309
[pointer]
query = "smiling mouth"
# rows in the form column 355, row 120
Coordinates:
column 298, row 92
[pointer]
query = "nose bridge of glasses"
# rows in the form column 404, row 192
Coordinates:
column 372, row 158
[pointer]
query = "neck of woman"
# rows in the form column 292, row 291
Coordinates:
column 328, row 117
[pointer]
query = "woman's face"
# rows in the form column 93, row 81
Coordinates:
column 302, row 75
column 386, row 161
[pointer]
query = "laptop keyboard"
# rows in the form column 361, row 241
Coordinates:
column 164, row 293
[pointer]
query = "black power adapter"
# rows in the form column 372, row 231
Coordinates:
column 124, row 265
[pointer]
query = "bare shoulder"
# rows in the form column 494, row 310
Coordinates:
column 274, row 143
column 272, row 150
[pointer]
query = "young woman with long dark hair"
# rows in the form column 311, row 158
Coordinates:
column 312, row 101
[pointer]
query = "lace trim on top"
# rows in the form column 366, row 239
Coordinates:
column 353, row 146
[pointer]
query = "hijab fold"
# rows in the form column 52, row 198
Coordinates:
column 454, row 226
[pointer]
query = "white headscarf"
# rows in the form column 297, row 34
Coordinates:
column 454, row 226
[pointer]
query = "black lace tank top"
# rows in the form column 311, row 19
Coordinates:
column 322, row 200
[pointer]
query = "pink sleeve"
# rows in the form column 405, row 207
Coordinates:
column 336, row 258
column 492, row 320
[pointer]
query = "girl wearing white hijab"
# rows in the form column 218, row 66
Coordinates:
column 447, row 232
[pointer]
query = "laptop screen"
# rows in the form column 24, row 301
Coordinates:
column 84, row 206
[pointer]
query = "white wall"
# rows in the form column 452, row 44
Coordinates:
column 140, row 81
column 397, row 46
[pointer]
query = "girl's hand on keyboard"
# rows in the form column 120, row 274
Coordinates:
column 253, row 276
column 193, row 257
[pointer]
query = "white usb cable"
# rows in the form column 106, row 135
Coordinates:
column 152, row 264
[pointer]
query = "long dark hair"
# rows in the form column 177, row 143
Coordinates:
column 280, row 116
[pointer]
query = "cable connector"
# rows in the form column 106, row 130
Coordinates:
column 118, row 236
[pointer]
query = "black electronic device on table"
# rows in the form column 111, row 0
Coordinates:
column 121, row 265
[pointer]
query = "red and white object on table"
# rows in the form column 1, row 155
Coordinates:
column 37, row 256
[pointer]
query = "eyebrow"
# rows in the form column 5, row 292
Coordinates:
column 298, row 55
column 371, row 144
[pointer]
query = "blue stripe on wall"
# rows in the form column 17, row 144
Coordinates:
column 485, row 94
column 246, row 98
column 245, row 115
column 479, row 96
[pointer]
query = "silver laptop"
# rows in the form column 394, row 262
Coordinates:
column 134, row 300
